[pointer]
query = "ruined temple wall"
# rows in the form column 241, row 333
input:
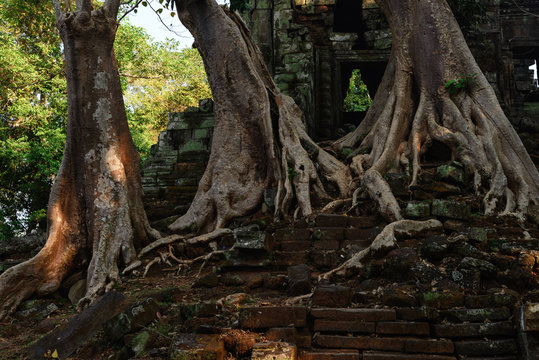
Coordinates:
column 310, row 54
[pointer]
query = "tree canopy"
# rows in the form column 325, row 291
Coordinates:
column 157, row 77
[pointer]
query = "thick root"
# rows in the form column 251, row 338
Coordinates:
column 384, row 242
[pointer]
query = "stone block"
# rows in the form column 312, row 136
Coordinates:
column 329, row 355
column 275, row 316
column 429, row 346
column 332, row 296
column 249, row 239
column 193, row 146
column 325, row 325
column 141, row 342
column 374, row 355
column 476, row 315
column 362, row 234
column 288, row 234
column 451, row 209
column 354, row 314
column 442, row 300
column 289, row 258
column 300, row 245
column 412, row 313
column 328, row 234
column 200, row 134
column 486, row 347
column 363, row 222
column 331, row 221
column 299, row 280
column 286, row 334
column 502, row 328
column 450, row 173
column 304, row 338
column 198, row 309
column 403, row 328
column 531, row 316
column 417, row 209
column 36, row 309
column 326, row 259
column 398, row 183
column 398, row 296
column 274, row 351
column 360, row 342
column 197, row 347
column 67, row 338
column 131, row 320
column 327, row 244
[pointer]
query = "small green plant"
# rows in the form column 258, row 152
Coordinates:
column 291, row 173
column 461, row 83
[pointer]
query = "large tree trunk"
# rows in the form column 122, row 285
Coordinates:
column 95, row 207
column 259, row 139
column 412, row 108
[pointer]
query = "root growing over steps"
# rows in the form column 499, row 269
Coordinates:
column 259, row 139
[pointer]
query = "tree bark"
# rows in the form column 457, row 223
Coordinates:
column 95, row 213
column 259, row 139
column 412, row 108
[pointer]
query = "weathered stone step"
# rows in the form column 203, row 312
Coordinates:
column 486, row 347
column 403, row 328
column 412, row 345
column 192, row 347
column 344, row 314
column 374, row 355
column 274, row 316
column 329, row 355
column 476, row 315
column 325, row 325
column 502, row 328
column 274, row 351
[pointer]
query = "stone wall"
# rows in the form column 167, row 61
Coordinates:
column 311, row 47
column 171, row 174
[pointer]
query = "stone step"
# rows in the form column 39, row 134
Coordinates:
column 274, row 351
column 403, row 328
column 192, row 347
column 329, row 355
column 476, row 315
column 486, row 347
column 325, row 325
column 401, row 344
column 374, row 355
column 502, row 328
column 345, row 314
column 272, row 316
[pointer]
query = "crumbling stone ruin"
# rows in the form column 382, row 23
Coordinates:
column 311, row 48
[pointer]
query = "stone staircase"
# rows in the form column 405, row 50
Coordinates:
column 417, row 333
column 171, row 174
column 346, row 321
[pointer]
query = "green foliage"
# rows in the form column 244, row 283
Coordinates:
column 461, row 83
column 157, row 78
column 357, row 96
column 291, row 173
column 32, row 112
column 240, row 5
